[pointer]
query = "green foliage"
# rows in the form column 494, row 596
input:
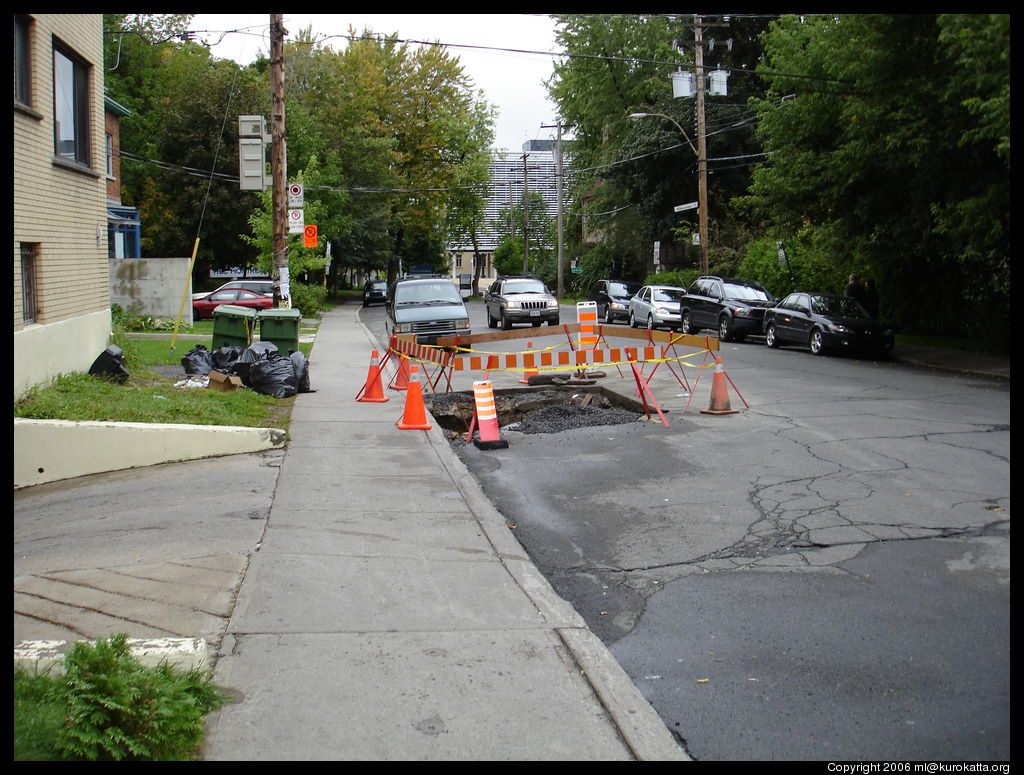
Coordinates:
column 308, row 299
column 114, row 708
column 680, row 278
column 811, row 270
column 904, row 180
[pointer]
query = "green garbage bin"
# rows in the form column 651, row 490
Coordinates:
column 233, row 325
column 281, row 326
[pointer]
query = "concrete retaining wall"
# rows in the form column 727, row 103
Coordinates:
column 152, row 286
column 51, row 450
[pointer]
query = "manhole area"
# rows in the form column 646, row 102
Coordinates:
column 529, row 410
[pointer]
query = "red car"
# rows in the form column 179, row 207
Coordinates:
column 203, row 308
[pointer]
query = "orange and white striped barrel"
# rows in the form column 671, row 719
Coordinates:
column 586, row 314
column 487, row 416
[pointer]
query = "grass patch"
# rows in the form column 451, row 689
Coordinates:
column 149, row 396
column 109, row 707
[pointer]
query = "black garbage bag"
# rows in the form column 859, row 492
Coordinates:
column 301, row 366
column 257, row 351
column 197, row 361
column 110, row 365
column 225, row 356
column 274, row 375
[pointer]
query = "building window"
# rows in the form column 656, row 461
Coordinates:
column 70, row 107
column 23, row 60
column 29, row 301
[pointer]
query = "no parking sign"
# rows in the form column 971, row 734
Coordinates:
column 309, row 237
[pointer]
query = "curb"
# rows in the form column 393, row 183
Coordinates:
column 39, row 656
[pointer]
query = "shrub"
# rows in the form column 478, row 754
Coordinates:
column 114, row 708
column 308, row 299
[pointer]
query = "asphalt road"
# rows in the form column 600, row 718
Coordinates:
column 824, row 575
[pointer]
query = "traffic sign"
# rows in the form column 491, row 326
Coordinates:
column 309, row 237
column 687, row 206
column 296, row 221
column 296, row 195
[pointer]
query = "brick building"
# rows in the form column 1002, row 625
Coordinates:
column 61, row 277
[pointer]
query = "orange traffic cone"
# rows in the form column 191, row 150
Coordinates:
column 527, row 374
column 719, row 403
column 415, row 416
column 487, row 414
column 373, row 390
column 401, row 380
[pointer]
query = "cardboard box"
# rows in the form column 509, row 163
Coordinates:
column 224, row 382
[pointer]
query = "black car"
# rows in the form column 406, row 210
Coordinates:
column 732, row 307
column 375, row 292
column 612, row 299
column 823, row 322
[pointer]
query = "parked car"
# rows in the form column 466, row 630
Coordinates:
column 823, row 322
column 430, row 307
column 511, row 300
column 203, row 307
column 656, row 306
column 732, row 307
column 266, row 287
column 612, row 299
column 375, row 291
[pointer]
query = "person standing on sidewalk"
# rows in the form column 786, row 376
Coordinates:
column 854, row 289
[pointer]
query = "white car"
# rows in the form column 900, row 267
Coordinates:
column 656, row 306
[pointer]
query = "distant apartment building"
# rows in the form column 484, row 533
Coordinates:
column 535, row 169
column 61, row 279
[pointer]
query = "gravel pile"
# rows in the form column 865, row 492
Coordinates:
column 554, row 419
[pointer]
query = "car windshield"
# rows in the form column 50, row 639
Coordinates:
column 667, row 294
column 623, row 289
column 380, row 285
column 524, row 286
column 837, row 305
column 427, row 293
column 746, row 293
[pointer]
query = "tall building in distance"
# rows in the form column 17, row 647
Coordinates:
column 534, row 169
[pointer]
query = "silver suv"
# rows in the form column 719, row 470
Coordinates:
column 512, row 300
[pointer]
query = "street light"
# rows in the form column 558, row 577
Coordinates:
column 702, row 186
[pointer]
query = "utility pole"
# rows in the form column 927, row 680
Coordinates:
column 278, row 164
column 702, row 149
column 561, row 240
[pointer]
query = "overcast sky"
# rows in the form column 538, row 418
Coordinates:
column 512, row 81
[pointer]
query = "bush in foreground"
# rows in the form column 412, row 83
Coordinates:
column 108, row 706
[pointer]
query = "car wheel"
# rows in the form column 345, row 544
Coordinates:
column 553, row 322
column 770, row 336
column 686, row 324
column 650, row 322
column 632, row 319
column 491, row 322
column 536, row 323
column 506, row 324
column 725, row 329
column 817, row 343
column 609, row 318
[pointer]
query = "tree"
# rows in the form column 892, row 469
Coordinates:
column 640, row 170
column 903, row 178
column 179, row 142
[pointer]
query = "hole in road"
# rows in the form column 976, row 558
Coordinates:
column 538, row 410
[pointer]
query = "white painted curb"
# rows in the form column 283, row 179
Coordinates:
column 52, row 450
column 182, row 653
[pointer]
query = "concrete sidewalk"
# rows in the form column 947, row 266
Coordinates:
column 390, row 614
